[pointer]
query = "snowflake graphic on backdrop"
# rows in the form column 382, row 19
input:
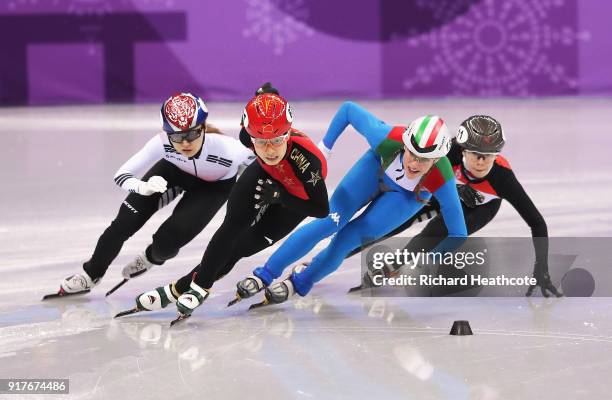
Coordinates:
column 85, row 7
column 497, row 47
column 277, row 29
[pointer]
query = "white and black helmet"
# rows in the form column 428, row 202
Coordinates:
column 482, row 134
column 428, row 137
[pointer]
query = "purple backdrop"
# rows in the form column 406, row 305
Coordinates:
column 73, row 51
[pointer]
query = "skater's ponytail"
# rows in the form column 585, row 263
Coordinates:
column 295, row 132
column 419, row 187
column 417, row 191
column 210, row 128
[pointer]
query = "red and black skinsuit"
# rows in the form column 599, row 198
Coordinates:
column 246, row 230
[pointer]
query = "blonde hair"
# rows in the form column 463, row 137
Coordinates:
column 210, row 128
column 295, row 132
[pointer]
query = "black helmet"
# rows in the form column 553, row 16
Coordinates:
column 482, row 134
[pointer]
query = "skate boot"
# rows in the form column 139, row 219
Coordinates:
column 157, row 298
column 75, row 284
column 137, row 267
column 251, row 285
column 387, row 271
column 153, row 300
column 279, row 292
column 248, row 287
column 189, row 301
column 78, row 283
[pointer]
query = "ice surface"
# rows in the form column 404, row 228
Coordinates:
column 58, row 196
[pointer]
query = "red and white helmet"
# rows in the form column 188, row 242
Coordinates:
column 182, row 112
column 267, row 116
column 428, row 137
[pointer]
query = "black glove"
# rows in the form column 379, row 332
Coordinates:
column 266, row 88
column 470, row 197
column 267, row 192
column 540, row 272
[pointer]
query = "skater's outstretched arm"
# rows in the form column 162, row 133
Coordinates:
column 452, row 213
column 513, row 191
column 366, row 124
column 151, row 152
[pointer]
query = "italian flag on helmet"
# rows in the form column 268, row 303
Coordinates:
column 428, row 137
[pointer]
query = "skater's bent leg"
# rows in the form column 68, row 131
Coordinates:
column 134, row 212
column 478, row 217
column 427, row 212
column 353, row 192
column 275, row 225
column 192, row 213
column 374, row 222
column 240, row 214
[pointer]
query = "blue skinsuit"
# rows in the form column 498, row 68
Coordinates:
column 361, row 185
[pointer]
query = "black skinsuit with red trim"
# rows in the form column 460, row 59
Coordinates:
column 246, row 230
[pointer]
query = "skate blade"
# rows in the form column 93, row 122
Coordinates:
column 236, row 300
column 128, row 312
column 117, row 286
column 355, row 289
column 62, row 293
column 259, row 305
column 180, row 318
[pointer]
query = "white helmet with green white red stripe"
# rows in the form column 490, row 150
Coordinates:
column 428, row 137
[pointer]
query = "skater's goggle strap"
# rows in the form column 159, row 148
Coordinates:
column 419, row 160
column 189, row 136
column 276, row 141
column 485, row 156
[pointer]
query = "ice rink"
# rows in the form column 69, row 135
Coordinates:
column 58, row 196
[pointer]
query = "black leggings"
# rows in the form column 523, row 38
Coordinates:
column 200, row 202
column 435, row 231
column 245, row 231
